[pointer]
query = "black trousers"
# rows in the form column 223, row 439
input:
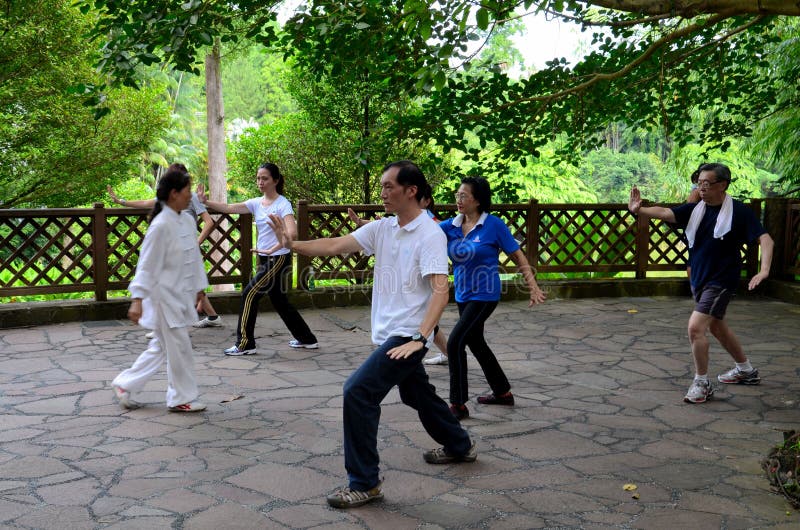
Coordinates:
column 272, row 279
column 468, row 331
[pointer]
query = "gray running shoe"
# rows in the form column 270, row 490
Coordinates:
column 347, row 498
column 441, row 456
column 734, row 375
column 699, row 392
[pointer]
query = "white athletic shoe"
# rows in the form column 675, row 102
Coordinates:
column 436, row 359
column 206, row 323
column 294, row 343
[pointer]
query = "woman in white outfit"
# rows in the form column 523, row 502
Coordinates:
column 168, row 283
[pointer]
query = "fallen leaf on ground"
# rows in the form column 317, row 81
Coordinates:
column 632, row 311
column 231, row 398
column 635, row 496
column 629, row 487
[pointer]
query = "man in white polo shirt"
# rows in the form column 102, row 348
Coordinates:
column 409, row 293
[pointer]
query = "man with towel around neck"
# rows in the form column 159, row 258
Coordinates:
column 715, row 229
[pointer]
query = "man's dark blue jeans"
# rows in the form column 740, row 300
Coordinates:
column 363, row 392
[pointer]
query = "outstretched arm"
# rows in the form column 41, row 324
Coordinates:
column 148, row 203
column 223, row 207
column 658, row 212
column 329, row 246
column 767, row 246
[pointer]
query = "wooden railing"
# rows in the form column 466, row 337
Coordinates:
column 792, row 239
column 64, row 250
column 95, row 250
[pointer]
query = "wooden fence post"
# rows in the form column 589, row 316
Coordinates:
column 791, row 242
column 100, row 252
column 532, row 234
column 777, row 223
column 751, row 261
column 642, row 246
column 303, row 227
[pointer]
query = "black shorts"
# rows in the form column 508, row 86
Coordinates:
column 713, row 300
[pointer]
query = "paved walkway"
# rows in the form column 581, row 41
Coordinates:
column 599, row 386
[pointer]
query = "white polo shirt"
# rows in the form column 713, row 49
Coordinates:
column 404, row 256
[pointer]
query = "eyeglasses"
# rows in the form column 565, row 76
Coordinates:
column 462, row 196
column 705, row 184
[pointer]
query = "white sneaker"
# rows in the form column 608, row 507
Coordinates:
column 436, row 359
column 150, row 334
column 206, row 323
column 294, row 343
column 124, row 398
column 699, row 392
column 194, row 406
column 235, row 351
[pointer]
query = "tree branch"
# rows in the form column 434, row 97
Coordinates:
column 598, row 77
column 692, row 8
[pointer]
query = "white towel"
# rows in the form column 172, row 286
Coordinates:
column 724, row 218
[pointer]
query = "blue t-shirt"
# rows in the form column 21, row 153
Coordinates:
column 718, row 261
column 475, row 257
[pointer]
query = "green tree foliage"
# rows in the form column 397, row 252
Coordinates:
column 650, row 66
column 612, row 174
column 776, row 140
column 253, row 85
column 748, row 180
column 52, row 151
column 315, row 162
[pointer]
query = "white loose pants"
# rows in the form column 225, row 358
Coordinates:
column 174, row 345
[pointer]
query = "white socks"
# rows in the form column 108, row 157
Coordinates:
column 745, row 366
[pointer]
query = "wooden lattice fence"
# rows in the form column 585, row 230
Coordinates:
column 95, row 250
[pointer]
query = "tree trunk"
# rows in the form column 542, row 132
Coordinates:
column 367, row 189
column 215, row 128
column 215, row 125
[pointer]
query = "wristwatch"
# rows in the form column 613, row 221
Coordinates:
column 419, row 337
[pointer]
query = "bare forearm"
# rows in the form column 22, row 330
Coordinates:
column 767, row 248
column 147, row 203
column 208, row 226
column 438, row 302
column 524, row 268
column 219, row 206
column 658, row 212
column 330, row 246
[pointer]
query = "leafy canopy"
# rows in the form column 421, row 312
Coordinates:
column 651, row 63
column 52, row 151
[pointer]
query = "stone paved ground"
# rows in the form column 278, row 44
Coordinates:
column 599, row 392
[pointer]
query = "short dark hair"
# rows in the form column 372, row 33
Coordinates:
column 173, row 179
column 696, row 173
column 276, row 174
column 721, row 171
column 177, row 166
column 409, row 174
column 481, row 191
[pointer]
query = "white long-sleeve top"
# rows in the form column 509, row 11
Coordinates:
column 170, row 270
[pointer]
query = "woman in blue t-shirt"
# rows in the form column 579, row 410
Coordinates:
column 474, row 242
column 274, row 265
